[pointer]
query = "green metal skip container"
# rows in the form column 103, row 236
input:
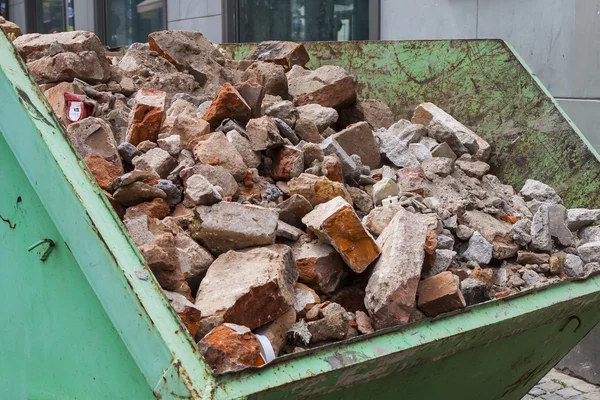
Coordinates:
column 79, row 318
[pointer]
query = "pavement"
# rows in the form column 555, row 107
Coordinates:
column 559, row 386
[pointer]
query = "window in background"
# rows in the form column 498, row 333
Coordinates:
column 49, row 16
column 129, row 21
column 4, row 9
column 302, row 20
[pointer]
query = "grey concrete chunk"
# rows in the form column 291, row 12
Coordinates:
column 540, row 230
column 479, row 250
column 230, row 226
column 577, row 218
column 536, row 190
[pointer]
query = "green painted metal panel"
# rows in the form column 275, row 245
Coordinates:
column 57, row 341
column 89, row 229
column 494, row 350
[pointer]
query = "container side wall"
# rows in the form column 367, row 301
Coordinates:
column 57, row 341
column 486, row 86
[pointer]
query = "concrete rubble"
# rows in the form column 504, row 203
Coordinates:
column 280, row 211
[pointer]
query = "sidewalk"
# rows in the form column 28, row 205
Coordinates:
column 558, row 386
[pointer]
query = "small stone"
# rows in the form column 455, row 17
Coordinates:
column 420, row 151
column 319, row 265
column 147, row 116
column 536, row 190
column 363, row 323
column 521, row 232
column 230, row 348
column 283, row 110
column 308, row 131
column 432, row 116
column 408, row 134
column 336, row 223
column 157, row 208
column 395, row 151
column 376, row 113
column 540, row 230
column 331, row 167
column 445, row 242
column 285, row 131
column 269, row 75
column 263, row 133
column 253, row 94
column 216, row 175
column 359, row 139
column 383, row 189
column 479, row 250
column 475, row 169
column 474, row 291
column 94, row 136
column 190, row 130
column 228, row 103
column 525, row 257
column 322, row 117
column 440, row 294
column 105, row 172
column 265, row 293
column 557, row 262
column 288, row 231
column 589, row 252
column 146, row 145
column 157, row 160
column 231, row 226
column 557, row 224
column 243, row 146
column 172, row 191
column 161, row 257
column 443, row 260
column 216, row 150
column 305, row 299
column 443, row 150
column 312, row 152
column 430, row 143
column 317, row 189
column 332, row 327
column 288, row 163
column 589, row 234
column 578, row 218
column 329, row 86
column 443, row 135
column 437, row 166
column 199, row 191
column 128, row 152
column 530, row 277
column 137, row 192
column 451, row 223
column 361, row 199
column 273, row 193
column 171, row 144
column 187, row 311
column 392, row 287
column 349, row 168
column 294, row 209
column 286, row 54
column 193, row 258
column 573, row 266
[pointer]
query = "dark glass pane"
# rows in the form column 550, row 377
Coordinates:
column 4, row 9
column 50, row 16
column 303, row 20
column 129, row 21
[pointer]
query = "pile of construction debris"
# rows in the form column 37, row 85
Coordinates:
column 279, row 212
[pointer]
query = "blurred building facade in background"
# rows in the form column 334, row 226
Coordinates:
column 559, row 40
